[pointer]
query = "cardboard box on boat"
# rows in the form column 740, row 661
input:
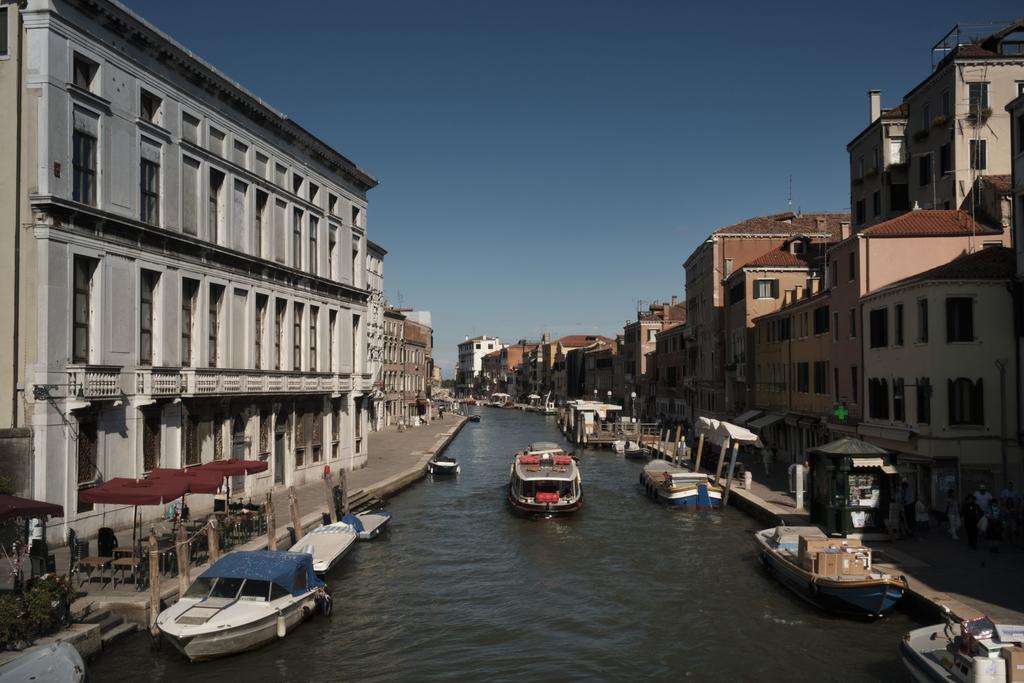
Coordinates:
column 829, row 563
column 1014, row 657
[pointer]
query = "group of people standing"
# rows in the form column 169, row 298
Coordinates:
column 996, row 518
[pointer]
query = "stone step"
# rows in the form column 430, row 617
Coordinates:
column 110, row 623
column 117, row 632
column 93, row 617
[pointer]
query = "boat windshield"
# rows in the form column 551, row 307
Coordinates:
column 226, row 588
column 255, row 590
column 200, row 589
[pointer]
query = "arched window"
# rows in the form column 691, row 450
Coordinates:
column 966, row 401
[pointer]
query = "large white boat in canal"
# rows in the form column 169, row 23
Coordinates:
column 327, row 544
column 545, row 480
column 243, row 601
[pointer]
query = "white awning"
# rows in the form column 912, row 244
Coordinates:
column 889, row 469
column 868, row 462
column 766, row 421
column 746, row 417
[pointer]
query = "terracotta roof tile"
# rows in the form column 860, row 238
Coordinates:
column 581, row 340
column 781, row 257
column 929, row 223
column 989, row 263
column 788, row 223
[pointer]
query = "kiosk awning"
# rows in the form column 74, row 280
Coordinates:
column 766, row 421
column 746, row 417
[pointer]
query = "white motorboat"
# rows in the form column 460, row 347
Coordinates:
column 968, row 650
column 678, row 487
column 243, row 601
column 57, row 663
column 327, row 544
column 545, row 481
column 368, row 525
column 442, row 465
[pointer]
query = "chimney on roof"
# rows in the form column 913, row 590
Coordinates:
column 874, row 105
column 916, row 207
column 673, row 299
column 819, row 223
column 815, row 286
column 798, row 293
column 787, row 297
column 844, row 229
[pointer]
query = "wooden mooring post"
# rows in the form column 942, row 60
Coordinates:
column 329, row 497
column 700, row 452
column 732, row 469
column 721, row 460
column 343, row 485
column 182, row 546
column 271, row 525
column 293, row 506
column 154, row 584
column 212, row 539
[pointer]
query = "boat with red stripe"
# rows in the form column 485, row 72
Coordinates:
column 544, row 480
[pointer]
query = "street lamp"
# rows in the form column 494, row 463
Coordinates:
column 632, row 404
column 609, row 396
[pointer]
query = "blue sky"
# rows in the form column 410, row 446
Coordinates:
column 545, row 165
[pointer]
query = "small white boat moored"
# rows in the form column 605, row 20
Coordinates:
column 969, row 650
column 443, row 465
column 368, row 525
column 327, row 544
column 678, row 487
column 243, row 601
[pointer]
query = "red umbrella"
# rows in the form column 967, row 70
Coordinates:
column 197, row 479
column 235, row 467
column 123, row 491
column 12, row 507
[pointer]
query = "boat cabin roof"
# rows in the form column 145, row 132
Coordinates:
column 543, row 446
column 659, row 468
column 790, row 535
column 291, row 571
column 546, row 466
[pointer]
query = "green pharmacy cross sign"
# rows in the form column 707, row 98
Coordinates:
column 841, row 412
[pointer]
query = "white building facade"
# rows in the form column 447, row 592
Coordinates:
column 197, row 262
column 471, row 354
column 376, row 304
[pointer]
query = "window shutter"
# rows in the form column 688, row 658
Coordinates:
column 978, row 414
column 775, row 289
column 951, row 399
column 968, row 321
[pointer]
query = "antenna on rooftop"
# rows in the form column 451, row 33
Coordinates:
column 398, row 298
column 790, row 199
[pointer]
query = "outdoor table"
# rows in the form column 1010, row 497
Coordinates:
column 92, row 563
column 125, row 559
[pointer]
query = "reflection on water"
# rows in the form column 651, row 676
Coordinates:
column 624, row 589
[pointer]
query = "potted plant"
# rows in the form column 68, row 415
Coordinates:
column 979, row 115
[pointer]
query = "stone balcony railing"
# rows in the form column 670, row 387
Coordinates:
column 112, row 382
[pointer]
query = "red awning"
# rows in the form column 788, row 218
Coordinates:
column 123, row 491
column 235, row 468
column 12, row 507
column 197, row 479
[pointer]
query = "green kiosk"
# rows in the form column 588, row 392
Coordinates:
column 851, row 487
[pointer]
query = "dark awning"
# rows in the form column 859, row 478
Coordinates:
column 198, row 479
column 13, row 507
column 234, row 467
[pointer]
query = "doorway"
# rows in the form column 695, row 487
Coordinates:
column 280, row 429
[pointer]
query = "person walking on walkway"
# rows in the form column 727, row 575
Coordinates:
column 983, row 498
column 970, row 513
column 908, row 510
column 767, row 458
column 952, row 514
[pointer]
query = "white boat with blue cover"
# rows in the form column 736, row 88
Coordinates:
column 368, row 524
column 327, row 544
column 243, row 601
column 678, row 487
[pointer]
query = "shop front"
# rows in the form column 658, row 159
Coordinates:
column 852, row 487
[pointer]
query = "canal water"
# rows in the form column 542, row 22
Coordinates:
column 462, row 589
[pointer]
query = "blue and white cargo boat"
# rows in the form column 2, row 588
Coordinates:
column 834, row 574
column 678, row 487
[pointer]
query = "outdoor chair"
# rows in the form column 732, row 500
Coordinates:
column 124, row 562
column 91, row 564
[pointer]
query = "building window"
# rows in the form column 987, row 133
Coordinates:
column 83, row 72
column 300, row 438
column 854, row 384
column 853, row 323
column 190, row 437
column 355, row 344
column 923, row 398
column 852, row 265
column 766, row 289
column 215, row 207
column 897, row 325
column 966, row 401
column 332, row 253
column 314, row 254
column 279, row 322
column 332, row 204
column 835, row 327
column 332, row 329
column 190, row 196
column 241, row 153
column 260, row 328
column 213, row 346
column 297, row 337
column 359, row 427
column 979, row 154
column 147, row 315
column 945, row 159
column 190, row 128
column 879, row 328
column 261, row 165
column 876, row 203
column 317, row 436
column 149, row 183
column 859, row 212
column 821, row 377
column 314, row 317
column 82, row 313
column 945, row 103
column 899, row 413
column 356, row 263
column 314, row 193
column 280, row 231
column 924, row 170
column 280, row 175
column 149, row 106
column 878, row 399
column 977, row 96
column 217, row 141
column 260, row 222
column 88, row 473
column 959, row 319
column 4, row 49
column 803, row 377
column 336, row 432
column 922, row 321
column 297, row 181
column 297, row 238
column 821, row 320
column 83, row 158
column 926, row 116
column 189, row 289
column 150, row 438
